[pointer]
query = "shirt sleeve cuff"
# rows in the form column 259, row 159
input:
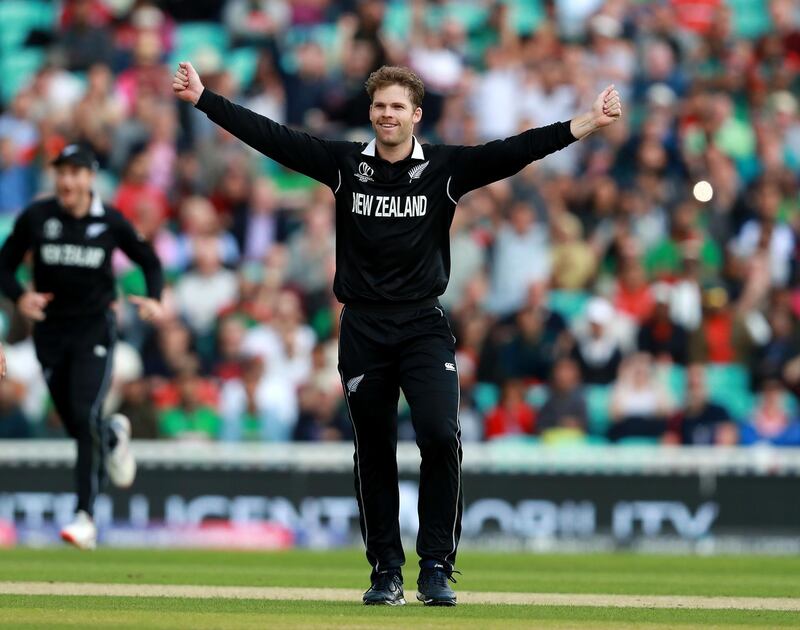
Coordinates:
column 205, row 100
column 566, row 133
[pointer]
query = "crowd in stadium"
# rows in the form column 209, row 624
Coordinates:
column 596, row 296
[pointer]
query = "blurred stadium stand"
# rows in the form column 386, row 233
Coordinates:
column 598, row 258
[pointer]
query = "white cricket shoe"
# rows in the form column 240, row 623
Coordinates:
column 120, row 464
column 81, row 532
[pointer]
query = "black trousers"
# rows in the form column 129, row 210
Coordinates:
column 76, row 357
column 382, row 350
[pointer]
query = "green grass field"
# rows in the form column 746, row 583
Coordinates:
column 620, row 574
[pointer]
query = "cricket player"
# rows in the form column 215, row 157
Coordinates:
column 72, row 237
column 395, row 200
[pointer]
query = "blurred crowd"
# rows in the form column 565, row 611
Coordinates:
column 599, row 295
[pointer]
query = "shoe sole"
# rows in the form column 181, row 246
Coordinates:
column 127, row 480
column 67, row 537
column 436, row 602
column 399, row 602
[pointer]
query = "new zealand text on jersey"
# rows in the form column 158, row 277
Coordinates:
column 73, row 256
column 385, row 206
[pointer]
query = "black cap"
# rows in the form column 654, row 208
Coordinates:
column 77, row 155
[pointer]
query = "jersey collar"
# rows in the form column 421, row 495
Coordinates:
column 416, row 153
column 96, row 207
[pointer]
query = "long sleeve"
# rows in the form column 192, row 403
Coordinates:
column 296, row 150
column 11, row 255
column 142, row 253
column 478, row 166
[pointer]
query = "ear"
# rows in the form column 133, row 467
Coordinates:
column 417, row 116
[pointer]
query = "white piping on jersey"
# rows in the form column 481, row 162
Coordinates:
column 416, row 154
column 460, row 454
column 96, row 208
column 448, row 191
column 340, row 182
column 355, row 440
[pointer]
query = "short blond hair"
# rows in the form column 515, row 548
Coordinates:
column 397, row 75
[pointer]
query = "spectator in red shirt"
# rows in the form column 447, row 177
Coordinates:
column 135, row 189
column 633, row 295
column 713, row 341
column 512, row 415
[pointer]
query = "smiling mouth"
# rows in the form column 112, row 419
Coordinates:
column 387, row 125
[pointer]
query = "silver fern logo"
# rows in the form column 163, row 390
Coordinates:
column 416, row 172
column 353, row 383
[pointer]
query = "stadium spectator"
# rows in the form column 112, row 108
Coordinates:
column 147, row 76
column 255, row 21
column 84, row 42
column 311, row 253
column 565, row 407
column 467, row 253
column 640, row 405
column 167, row 350
column 189, row 418
column 701, row 422
column 521, row 257
column 306, row 88
column 228, row 356
column 322, row 416
column 632, row 295
column 199, row 222
column 136, row 188
column 203, row 293
column 780, row 345
column 771, row 420
column 597, row 346
column 512, row 416
column 766, row 233
column 658, row 336
column 285, row 344
column 138, row 406
column 13, row 423
column 18, row 126
column 15, row 179
column 686, row 238
column 25, row 372
column 574, row 260
column 261, row 405
column 537, row 337
column 713, row 341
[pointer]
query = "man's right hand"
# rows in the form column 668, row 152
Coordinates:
column 32, row 304
column 186, row 83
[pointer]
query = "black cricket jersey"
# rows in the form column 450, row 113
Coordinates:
column 392, row 219
column 72, row 258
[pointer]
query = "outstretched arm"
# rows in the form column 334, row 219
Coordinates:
column 478, row 166
column 296, row 150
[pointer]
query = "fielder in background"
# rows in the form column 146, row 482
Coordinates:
column 72, row 237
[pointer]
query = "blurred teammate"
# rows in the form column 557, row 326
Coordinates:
column 395, row 200
column 72, row 237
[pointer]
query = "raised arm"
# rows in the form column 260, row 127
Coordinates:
column 480, row 165
column 296, row 150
